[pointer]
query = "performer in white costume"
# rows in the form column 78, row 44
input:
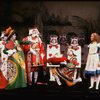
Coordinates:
column 74, row 52
column 93, row 61
column 53, row 51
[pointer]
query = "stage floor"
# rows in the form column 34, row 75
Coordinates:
column 80, row 90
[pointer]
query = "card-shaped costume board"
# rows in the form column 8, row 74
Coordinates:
column 53, row 52
column 76, row 54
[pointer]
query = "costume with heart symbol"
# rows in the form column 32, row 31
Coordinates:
column 35, row 55
column 36, row 47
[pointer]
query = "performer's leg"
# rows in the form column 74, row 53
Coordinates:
column 75, row 74
column 41, row 76
column 97, row 82
column 30, row 78
column 58, row 80
column 52, row 78
column 91, row 82
column 35, row 76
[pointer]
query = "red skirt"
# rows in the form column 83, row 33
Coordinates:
column 3, row 81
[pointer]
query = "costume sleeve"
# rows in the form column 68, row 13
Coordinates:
column 5, row 51
column 24, row 42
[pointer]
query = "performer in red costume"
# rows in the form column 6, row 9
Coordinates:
column 35, row 54
column 13, row 64
column 3, row 67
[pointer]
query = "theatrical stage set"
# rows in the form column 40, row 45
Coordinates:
column 45, row 62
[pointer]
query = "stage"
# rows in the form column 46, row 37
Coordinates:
column 80, row 90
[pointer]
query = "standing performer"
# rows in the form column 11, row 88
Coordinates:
column 3, row 62
column 16, row 73
column 35, row 55
column 53, row 52
column 93, row 61
column 74, row 53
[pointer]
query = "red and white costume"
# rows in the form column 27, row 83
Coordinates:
column 74, row 49
column 35, row 53
column 54, row 56
column 3, row 60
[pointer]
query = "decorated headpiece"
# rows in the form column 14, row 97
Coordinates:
column 53, row 39
column 9, row 32
column 62, row 39
column 74, row 41
column 34, row 31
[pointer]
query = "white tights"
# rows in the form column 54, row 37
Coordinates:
column 94, row 79
column 97, row 82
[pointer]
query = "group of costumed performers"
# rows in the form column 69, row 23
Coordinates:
column 21, row 60
column 25, row 62
column 61, row 66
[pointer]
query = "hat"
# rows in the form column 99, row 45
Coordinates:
column 53, row 39
column 34, row 31
column 9, row 32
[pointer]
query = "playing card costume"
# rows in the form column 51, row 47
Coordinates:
column 74, row 57
column 63, row 44
column 54, row 58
